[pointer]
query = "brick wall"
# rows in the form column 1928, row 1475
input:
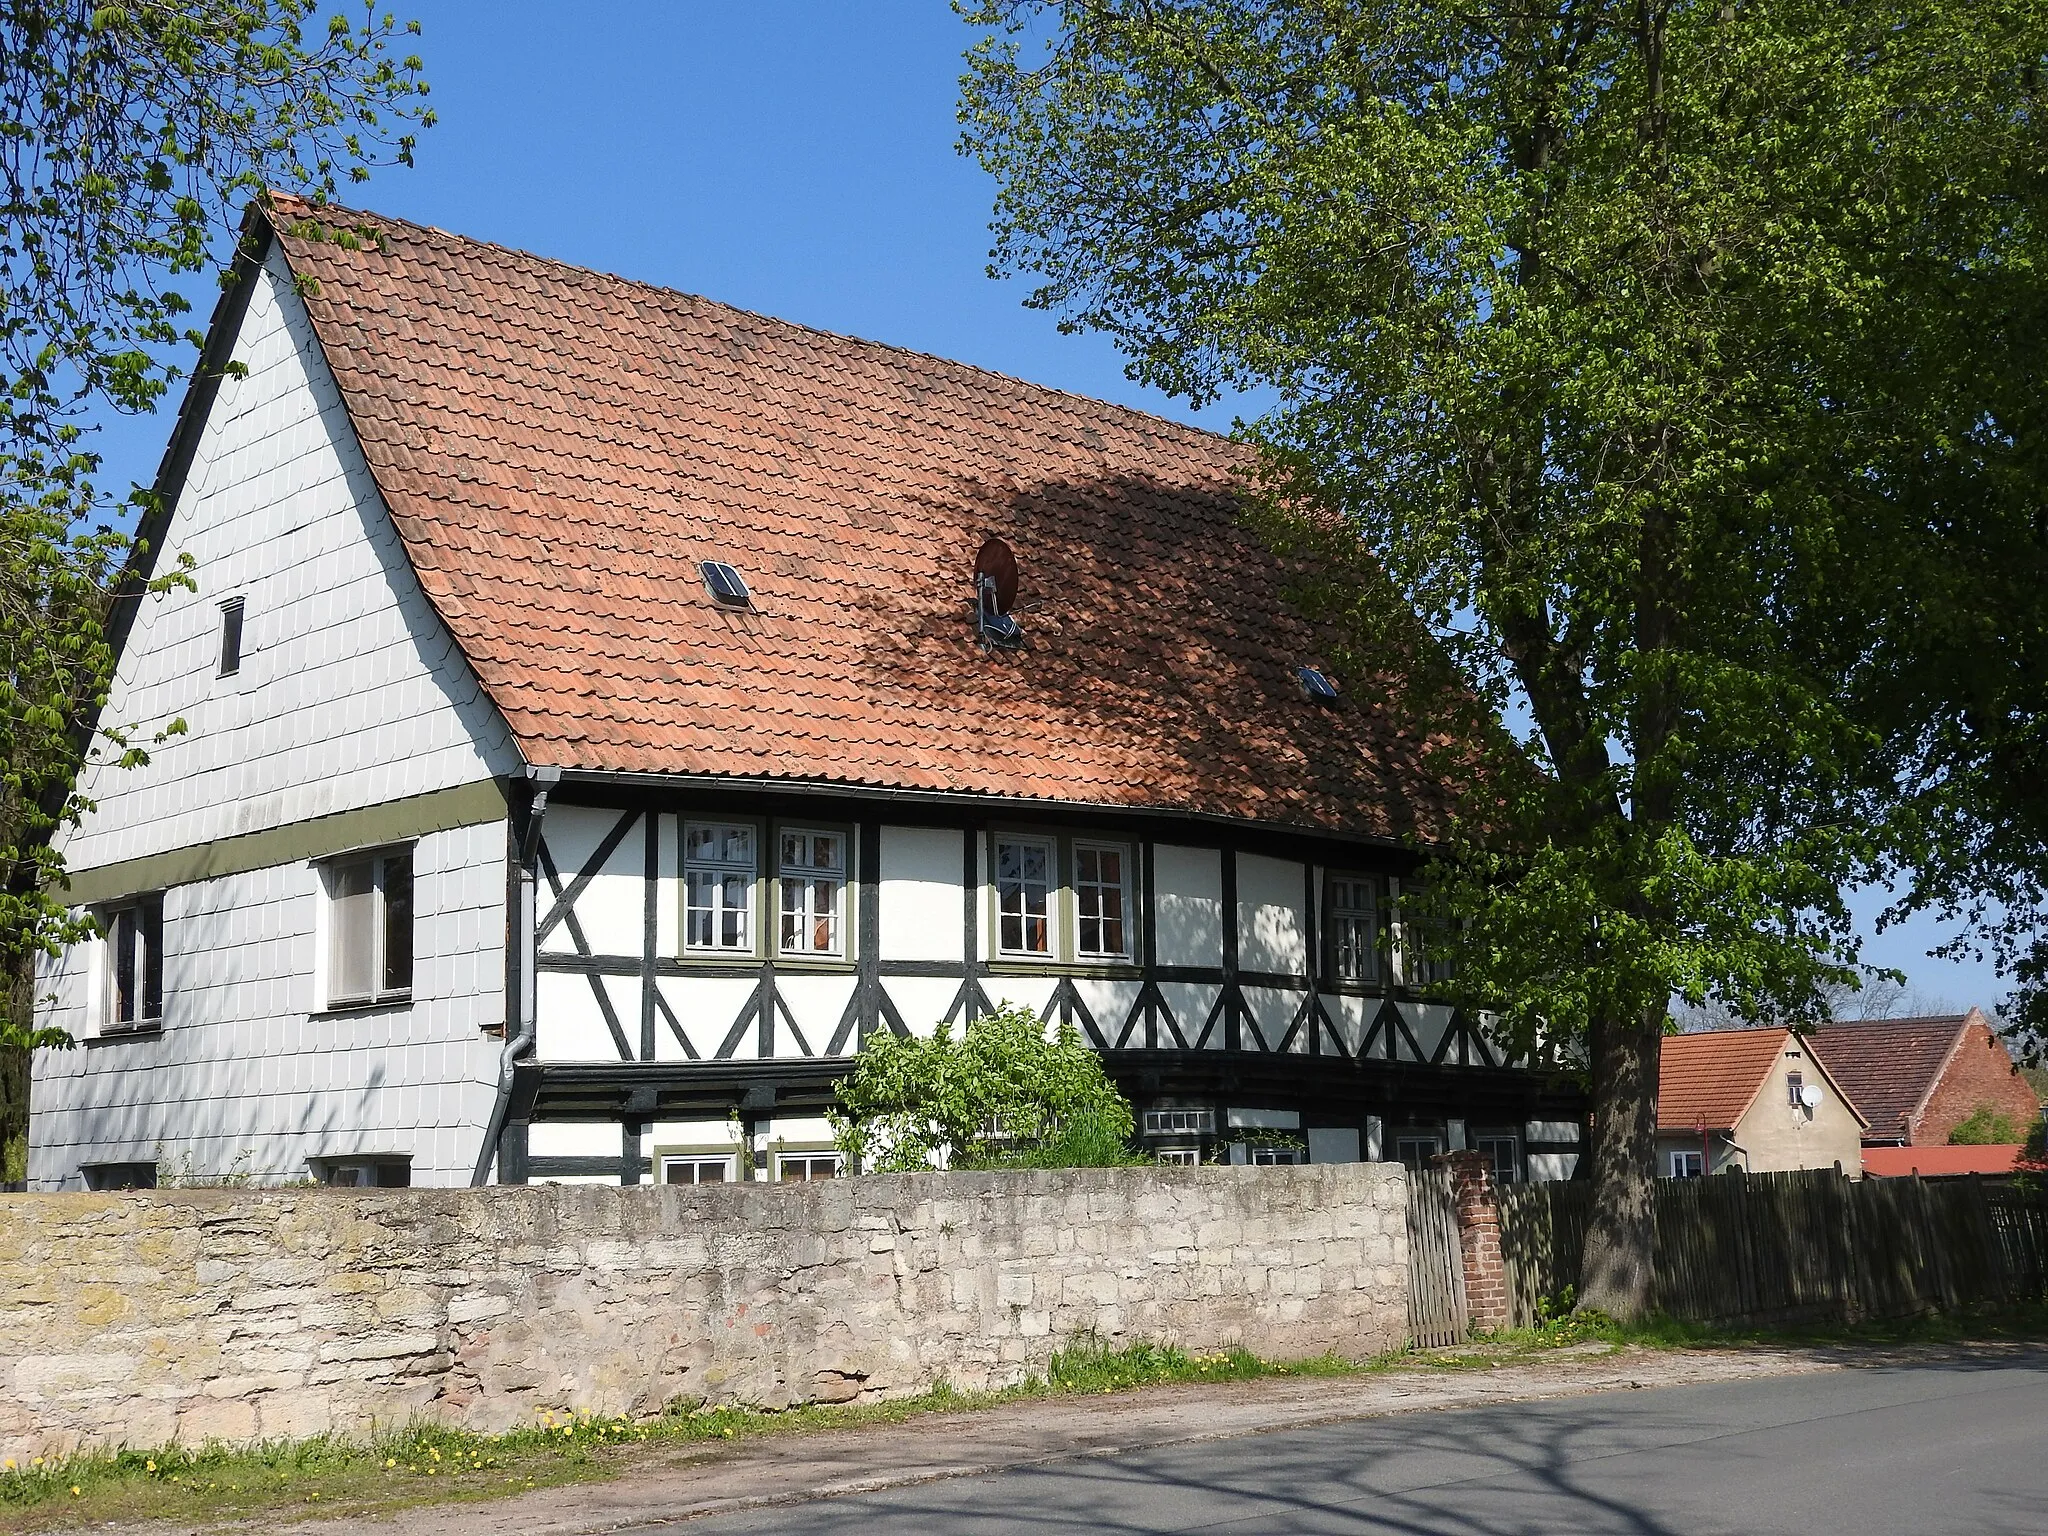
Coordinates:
column 237, row 1314
column 1980, row 1072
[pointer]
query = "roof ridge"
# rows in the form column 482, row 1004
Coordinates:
column 434, row 230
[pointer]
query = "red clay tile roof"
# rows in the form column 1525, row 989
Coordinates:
column 1929, row 1162
column 1887, row 1065
column 1708, row 1079
column 560, row 448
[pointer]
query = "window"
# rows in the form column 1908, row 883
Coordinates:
column 1180, row 1122
column 132, row 984
column 1099, row 901
column 1416, row 1151
column 813, row 892
column 118, row 1175
column 1181, row 1157
column 1024, row 896
column 231, row 637
column 1503, row 1153
column 369, row 929
column 1415, row 967
column 1795, row 1085
column 379, row 1170
column 801, row 1167
column 1687, row 1165
column 1275, row 1157
column 696, row 1170
column 1354, row 919
column 718, row 887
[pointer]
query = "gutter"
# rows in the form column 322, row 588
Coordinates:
column 519, row 1043
column 967, row 800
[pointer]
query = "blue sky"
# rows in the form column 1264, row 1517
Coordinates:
column 791, row 158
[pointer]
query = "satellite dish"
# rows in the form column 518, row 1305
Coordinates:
column 996, row 564
column 1810, row 1096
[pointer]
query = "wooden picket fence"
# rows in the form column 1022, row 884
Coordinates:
column 1436, row 1265
column 1806, row 1247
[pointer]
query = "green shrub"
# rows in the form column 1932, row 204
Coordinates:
column 1985, row 1127
column 1003, row 1094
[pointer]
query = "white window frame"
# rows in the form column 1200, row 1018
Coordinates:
column 791, row 876
column 147, row 915
column 723, row 869
column 1274, row 1157
column 381, row 992
column 809, row 1157
column 1051, row 953
column 1180, row 1122
column 1180, row 1157
column 1344, row 919
column 1125, row 853
column 1681, row 1164
column 1487, row 1141
column 727, row 1162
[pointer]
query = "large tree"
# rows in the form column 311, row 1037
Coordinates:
column 1569, row 307
column 129, row 132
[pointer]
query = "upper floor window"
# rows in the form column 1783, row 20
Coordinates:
column 1024, row 885
column 1795, row 1089
column 813, row 892
column 718, row 886
column 1101, row 901
column 132, row 982
column 231, row 637
column 369, row 928
column 1354, row 928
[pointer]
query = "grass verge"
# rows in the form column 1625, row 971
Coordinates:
column 428, row 1463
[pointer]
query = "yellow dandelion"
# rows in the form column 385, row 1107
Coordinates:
column 74, row 1490
column 147, row 1466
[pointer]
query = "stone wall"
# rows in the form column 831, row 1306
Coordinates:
column 237, row 1314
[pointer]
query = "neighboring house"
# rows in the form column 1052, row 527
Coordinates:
column 1753, row 1099
column 607, row 708
column 1917, row 1079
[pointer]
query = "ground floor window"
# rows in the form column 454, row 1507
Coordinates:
column 383, row 1171
column 132, row 985
column 1275, row 1157
column 1181, row 1157
column 1416, row 1150
column 696, row 1170
column 1503, row 1153
column 1180, row 1122
column 1687, row 1165
column 800, row 1167
column 119, row 1175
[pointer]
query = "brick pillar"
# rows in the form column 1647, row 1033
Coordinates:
column 1486, row 1276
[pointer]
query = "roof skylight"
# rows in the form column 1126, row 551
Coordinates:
column 1317, row 685
column 724, row 584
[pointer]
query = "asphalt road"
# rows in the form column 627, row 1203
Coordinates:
column 1955, row 1446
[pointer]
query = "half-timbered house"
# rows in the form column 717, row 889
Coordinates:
column 604, row 708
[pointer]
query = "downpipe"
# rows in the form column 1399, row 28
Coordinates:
column 519, row 1043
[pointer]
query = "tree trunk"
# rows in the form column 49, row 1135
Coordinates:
column 1615, row 1275
column 20, row 1004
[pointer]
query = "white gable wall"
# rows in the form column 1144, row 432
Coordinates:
column 351, row 695
column 351, row 692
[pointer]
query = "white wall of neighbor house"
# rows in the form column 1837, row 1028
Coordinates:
column 351, row 692
column 250, row 1075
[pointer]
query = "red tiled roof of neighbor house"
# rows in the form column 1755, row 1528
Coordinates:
column 1888, row 1065
column 1931, row 1162
column 1708, row 1080
column 559, row 449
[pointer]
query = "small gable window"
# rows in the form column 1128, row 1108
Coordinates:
column 231, row 637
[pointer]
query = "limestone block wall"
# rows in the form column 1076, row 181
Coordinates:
column 239, row 1314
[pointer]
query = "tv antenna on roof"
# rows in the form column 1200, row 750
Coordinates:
column 995, row 593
